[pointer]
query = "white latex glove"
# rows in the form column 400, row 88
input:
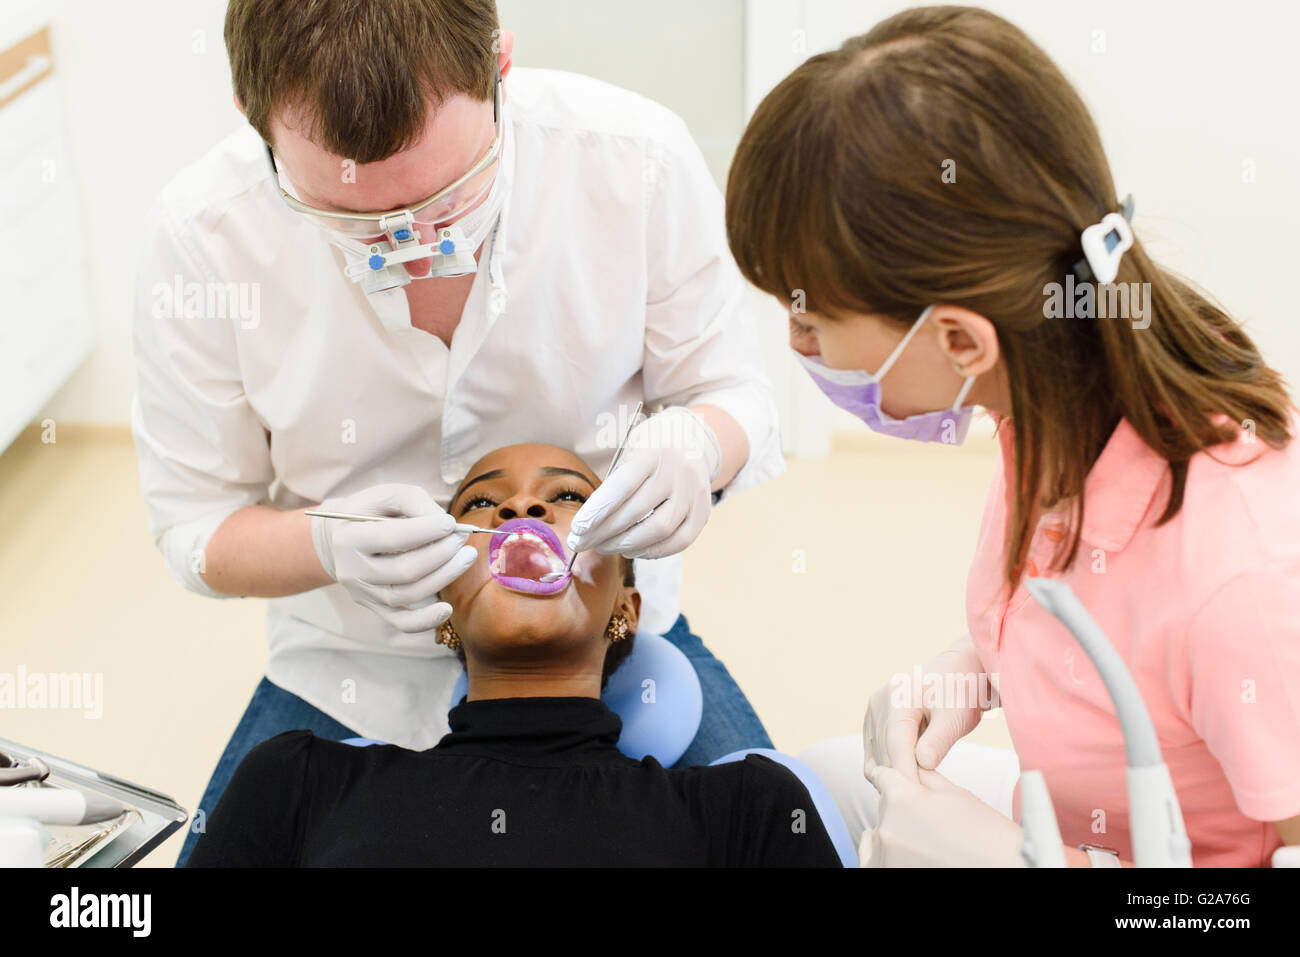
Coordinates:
column 669, row 466
column 920, row 734
column 394, row 568
column 932, row 822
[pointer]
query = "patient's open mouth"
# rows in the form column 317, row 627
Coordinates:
column 522, row 551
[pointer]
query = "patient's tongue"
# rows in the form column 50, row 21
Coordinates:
column 526, row 560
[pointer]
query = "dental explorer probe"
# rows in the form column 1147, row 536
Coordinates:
column 350, row 517
column 1156, row 827
column 568, row 569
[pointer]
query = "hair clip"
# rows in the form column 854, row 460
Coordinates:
column 1105, row 243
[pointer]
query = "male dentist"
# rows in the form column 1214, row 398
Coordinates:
column 446, row 256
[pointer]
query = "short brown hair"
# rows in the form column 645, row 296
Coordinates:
column 359, row 73
column 837, row 191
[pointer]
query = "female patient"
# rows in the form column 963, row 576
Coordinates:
column 530, row 773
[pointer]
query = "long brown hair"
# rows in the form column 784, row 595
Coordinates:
column 838, row 189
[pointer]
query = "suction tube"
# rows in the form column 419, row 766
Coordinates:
column 1155, row 819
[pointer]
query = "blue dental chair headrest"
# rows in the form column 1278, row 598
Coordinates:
column 655, row 692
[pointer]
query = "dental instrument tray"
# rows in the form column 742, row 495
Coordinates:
column 149, row 819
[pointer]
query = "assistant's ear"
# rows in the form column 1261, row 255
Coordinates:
column 505, row 53
column 967, row 338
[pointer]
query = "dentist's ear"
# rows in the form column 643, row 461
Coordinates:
column 239, row 106
column 967, row 338
column 505, row 46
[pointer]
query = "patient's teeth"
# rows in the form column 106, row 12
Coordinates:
column 556, row 562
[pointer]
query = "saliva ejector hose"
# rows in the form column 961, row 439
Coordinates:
column 1155, row 818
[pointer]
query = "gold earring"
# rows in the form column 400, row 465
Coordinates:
column 447, row 636
column 617, row 628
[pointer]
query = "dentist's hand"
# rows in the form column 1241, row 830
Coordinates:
column 931, row 822
column 906, row 728
column 668, row 467
column 395, row 568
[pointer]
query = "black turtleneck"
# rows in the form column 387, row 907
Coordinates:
column 517, row 782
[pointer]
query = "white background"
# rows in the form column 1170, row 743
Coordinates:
column 1184, row 94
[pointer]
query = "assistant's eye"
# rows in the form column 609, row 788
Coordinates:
column 478, row 501
column 797, row 328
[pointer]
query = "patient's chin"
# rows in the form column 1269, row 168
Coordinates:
column 504, row 616
column 531, row 643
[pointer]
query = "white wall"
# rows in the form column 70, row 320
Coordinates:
column 146, row 89
column 1184, row 94
column 685, row 54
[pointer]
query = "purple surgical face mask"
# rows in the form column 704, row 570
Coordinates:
column 859, row 392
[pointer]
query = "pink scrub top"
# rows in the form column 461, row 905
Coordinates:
column 1204, row 610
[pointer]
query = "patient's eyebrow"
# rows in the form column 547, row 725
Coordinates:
column 550, row 470
column 486, row 476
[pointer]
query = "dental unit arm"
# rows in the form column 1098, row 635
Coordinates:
column 1155, row 818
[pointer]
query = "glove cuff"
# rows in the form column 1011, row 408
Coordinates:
column 320, row 539
column 701, row 439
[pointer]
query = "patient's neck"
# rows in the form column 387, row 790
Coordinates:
column 487, row 681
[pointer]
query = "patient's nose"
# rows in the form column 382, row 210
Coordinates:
column 523, row 506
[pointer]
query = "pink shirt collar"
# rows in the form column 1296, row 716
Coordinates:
column 1121, row 485
column 1119, row 489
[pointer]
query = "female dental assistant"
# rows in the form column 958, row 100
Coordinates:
column 426, row 269
column 928, row 191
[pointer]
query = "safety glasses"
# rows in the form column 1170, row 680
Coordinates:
column 442, row 207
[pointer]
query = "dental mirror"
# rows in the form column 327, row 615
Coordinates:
column 568, row 569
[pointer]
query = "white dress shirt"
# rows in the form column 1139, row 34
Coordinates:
column 607, row 280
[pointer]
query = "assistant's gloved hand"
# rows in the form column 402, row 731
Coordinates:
column 919, row 730
column 669, row 465
column 931, row 822
column 394, row 568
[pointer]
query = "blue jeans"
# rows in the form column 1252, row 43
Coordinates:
column 728, row 723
